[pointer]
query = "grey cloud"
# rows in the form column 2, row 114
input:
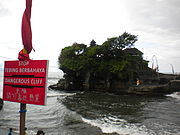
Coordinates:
column 170, row 13
column 158, row 22
column 164, row 14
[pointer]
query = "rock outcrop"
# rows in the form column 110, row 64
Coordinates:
column 1, row 103
column 148, row 86
column 174, row 85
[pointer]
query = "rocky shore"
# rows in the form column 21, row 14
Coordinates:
column 164, row 84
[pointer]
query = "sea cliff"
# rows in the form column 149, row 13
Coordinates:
column 164, row 84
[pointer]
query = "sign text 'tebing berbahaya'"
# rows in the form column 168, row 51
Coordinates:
column 25, row 81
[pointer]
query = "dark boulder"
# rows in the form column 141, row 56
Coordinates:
column 175, row 85
column 1, row 103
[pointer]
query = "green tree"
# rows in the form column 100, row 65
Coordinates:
column 107, row 57
column 70, row 58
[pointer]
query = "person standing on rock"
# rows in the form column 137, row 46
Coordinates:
column 137, row 82
column 10, row 131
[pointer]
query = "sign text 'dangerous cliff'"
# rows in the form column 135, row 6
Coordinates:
column 25, row 81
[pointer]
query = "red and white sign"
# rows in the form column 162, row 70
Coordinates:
column 25, row 81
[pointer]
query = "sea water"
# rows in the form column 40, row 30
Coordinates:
column 94, row 113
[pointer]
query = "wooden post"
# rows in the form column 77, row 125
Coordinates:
column 22, row 118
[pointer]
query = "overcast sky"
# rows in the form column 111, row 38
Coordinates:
column 59, row 23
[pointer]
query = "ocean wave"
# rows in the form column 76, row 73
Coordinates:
column 174, row 95
column 60, row 94
column 120, row 126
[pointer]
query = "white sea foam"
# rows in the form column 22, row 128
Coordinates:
column 120, row 126
column 60, row 94
column 30, row 132
column 174, row 95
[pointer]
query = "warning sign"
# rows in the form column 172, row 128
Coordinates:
column 25, row 81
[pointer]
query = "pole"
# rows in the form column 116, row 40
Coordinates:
column 22, row 118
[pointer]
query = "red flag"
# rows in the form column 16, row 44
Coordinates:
column 26, row 30
column 26, row 27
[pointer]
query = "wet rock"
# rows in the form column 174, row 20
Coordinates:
column 164, row 84
column 53, row 87
column 175, row 85
column 149, row 90
column 61, row 85
column 1, row 103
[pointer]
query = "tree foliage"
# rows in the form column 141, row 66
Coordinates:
column 108, row 57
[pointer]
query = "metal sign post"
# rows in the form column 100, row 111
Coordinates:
column 22, row 118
